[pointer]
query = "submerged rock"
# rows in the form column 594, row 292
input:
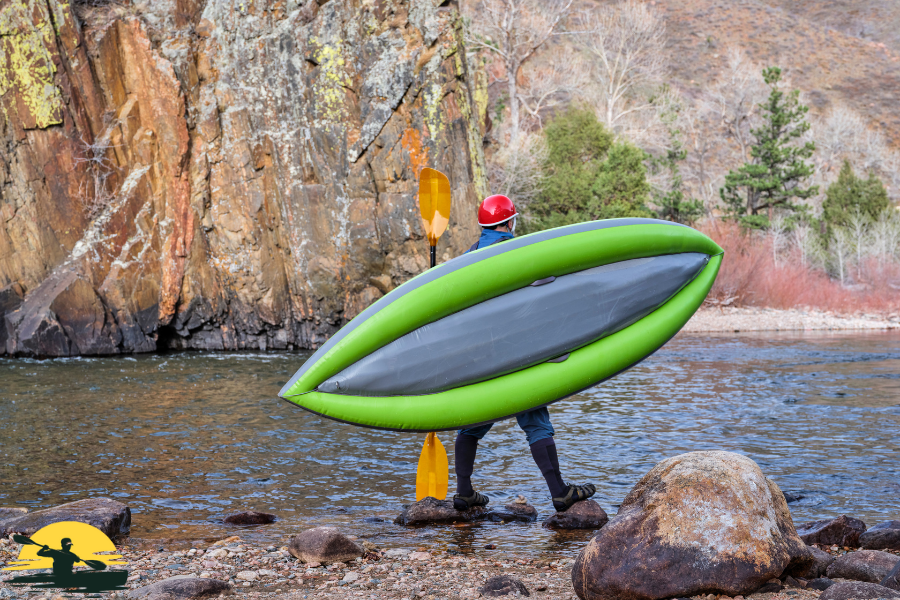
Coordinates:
column 702, row 522
column 517, row 510
column 180, row 588
column 250, row 518
column 871, row 566
column 503, row 585
column 858, row 590
column 843, row 531
column 586, row 514
column 324, row 545
column 431, row 510
column 111, row 517
column 884, row 536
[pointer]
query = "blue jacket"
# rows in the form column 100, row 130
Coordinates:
column 490, row 237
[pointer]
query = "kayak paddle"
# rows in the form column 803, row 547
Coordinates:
column 97, row 565
column 434, row 204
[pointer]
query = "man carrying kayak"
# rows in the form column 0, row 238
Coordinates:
column 497, row 217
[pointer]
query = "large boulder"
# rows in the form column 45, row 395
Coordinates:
column 871, row 566
column 180, row 587
column 324, row 545
column 893, row 579
column 814, row 569
column 706, row 522
column 884, row 536
column 586, row 514
column 111, row 517
column 843, row 531
column 858, row 590
column 431, row 510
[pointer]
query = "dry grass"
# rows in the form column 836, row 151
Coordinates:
column 750, row 277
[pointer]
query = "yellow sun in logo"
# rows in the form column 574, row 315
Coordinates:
column 88, row 543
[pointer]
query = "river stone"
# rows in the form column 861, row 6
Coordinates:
column 8, row 513
column 819, row 583
column 180, row 588
column 893, row 578
column 514, row 511
column 431, row 510
column 871, row 566
column 324, row 545
column 816, row 568
column 884, row 536
column 843, row 531
column 586, row 514
column 858, row 590
column 250, row 518
column 702, row 522
column 111, row 517
column 503, row 585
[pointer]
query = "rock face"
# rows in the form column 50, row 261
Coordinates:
column 586, row 514
column 884, row 536
column 250, row 518
column 431, row 510
column 702, row 522
column 843, row 531
column 111, row 517
column 324, row 545
column 180, row 588
column 503, row 585
column 856, row 590
column 221, row 176
column 871, row 566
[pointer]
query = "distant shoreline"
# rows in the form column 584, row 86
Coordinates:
column 739, row 319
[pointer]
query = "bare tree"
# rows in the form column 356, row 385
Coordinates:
column 552, row 80
column 627, row 42
column 859, row 232
column 778, row 233
column 886, row 235
column 841, row 248
column 516, row 170
column 736, row 96
column 514, row 30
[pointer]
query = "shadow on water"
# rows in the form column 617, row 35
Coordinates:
column 187, row 438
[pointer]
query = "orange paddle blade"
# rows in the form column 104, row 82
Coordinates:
column 432, row 475
column 434, row 203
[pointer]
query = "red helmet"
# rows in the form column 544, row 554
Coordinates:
column 495, row 210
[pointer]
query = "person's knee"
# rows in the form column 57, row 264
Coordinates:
column 476, row 432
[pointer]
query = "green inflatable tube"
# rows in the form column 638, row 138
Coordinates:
column 504, row 271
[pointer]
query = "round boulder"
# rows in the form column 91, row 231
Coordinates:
column 843, row 531
column 707, row 522
column 324, row 545
column 884, row 536
column 586, row 514
column 503, row 585
column 858, row 590
column 871, row 566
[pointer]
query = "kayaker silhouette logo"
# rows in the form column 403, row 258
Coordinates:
column 78, row 555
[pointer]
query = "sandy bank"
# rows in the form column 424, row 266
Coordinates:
column 731, row 319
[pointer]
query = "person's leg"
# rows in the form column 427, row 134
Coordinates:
column 539, row 432
column 464, row 463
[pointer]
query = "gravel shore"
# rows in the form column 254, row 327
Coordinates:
column 733, row 319
column 393, row 574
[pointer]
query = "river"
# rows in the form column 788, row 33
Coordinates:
column 187, row 438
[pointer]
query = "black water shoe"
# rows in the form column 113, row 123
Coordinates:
column 575, row 493
column 467, row 502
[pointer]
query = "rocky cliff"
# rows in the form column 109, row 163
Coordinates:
column 222, row 174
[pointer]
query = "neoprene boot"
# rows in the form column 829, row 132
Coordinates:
column 574, row 493
column 564, row 495
column 464, row 451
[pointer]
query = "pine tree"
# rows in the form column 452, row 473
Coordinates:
column 672, row 203
column 778, row 168
column 850, row 194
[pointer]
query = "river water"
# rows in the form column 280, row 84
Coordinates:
column 187, row 438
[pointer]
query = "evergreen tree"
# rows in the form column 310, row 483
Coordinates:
column 673, row 205
column 778, row 168
column 851, row 193
column 588, row 175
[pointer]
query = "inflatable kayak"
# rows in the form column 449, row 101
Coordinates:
column 511, row 327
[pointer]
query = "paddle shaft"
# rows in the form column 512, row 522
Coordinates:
column 433, row 256
column 97, row 565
